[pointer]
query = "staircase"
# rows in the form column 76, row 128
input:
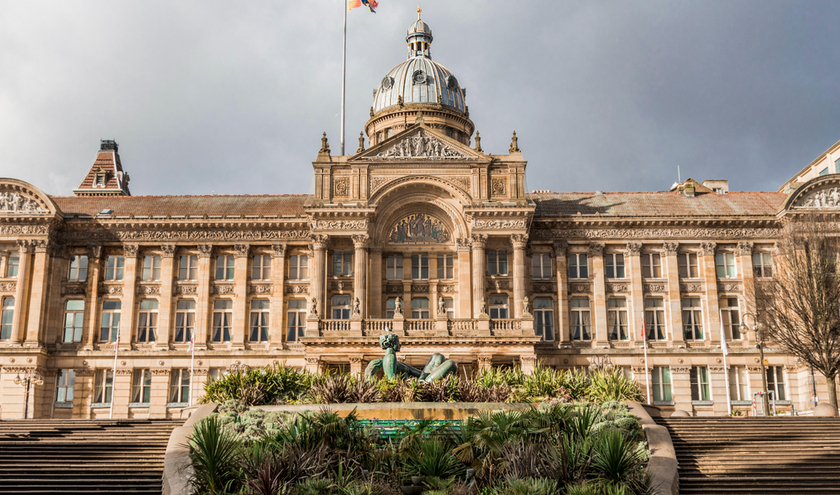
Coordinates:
column 790, row 455
column 79, row 456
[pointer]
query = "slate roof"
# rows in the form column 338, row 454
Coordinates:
column 109, row 161
column 185, row 205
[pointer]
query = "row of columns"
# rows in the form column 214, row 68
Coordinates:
column 30, row 291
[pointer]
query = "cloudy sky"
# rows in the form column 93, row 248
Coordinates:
column 231, row 97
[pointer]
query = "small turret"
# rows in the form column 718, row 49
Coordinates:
column 106, row 176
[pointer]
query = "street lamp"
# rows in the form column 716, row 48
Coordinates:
column 31, row 377
column 765, row 399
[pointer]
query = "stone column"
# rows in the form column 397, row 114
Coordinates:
column 519, row 241
column 463, row 303
column 276, row 333
column 712, row 324
column 55, row 310
column 240, row 332
column 479, row 268
column 681, row 387
column 360, row 243
column 19, row 317
column 89, row 332
column 318, row 275
column 38, row 296
column 159, row 393
column 636, row 306
column 528, row 363
column 83, row 393
column 356, row 365
column 313, row 364
column 167, row 279
column 599, row 293
column 203, row 310
column 4, row 259
column 375, row 300
column 121, row 394
column 672, row 273
column 127, row 309
column 745, row 251
column 562, row 276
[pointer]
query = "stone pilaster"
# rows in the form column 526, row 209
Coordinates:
column 159, row 393
column 318, row 273
column 19, row 318
column 203, row 311
column 360, row 243
column 479, row 268
column 712, row 298
column 674, row 302
column 167, row 280
column 745, row 251
column 636, row 306
column 276, row 333
column 127, row 309
column 38, row 297
column 356, row 365
column 240, row 331
column 599, row 303
column 89, row 332
column 463, row 303
column 375, row 283
column 519, row 241
column 561, row 263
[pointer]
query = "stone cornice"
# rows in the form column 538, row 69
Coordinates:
column 619, row 233
column 249, row 233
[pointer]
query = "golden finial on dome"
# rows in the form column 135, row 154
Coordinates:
column 418, row 12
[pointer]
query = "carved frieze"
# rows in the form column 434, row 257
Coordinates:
column 147, row 289
column 499, row 284
column 339, row 224
column 184, row 289
column 580, row 288
column 110, row 290
column 421, row 146
column 297, row 289
column 618, row 287
column 692, row 287
column 680, row 369
column 729, row 287
column 8, row 286
column 185, row 235
column 73, row 290
column 498, row 185
column 9, row 230
column 222, row 289
column 498, row 224
column 160, row 372
column 11, row 202
column 825, row 198
column 394, row 289
column 260, row 289
column 420, row 288
column 543, row 288
column 341, row 187
column 446, row 289
column 654, row 287
column 661, row 233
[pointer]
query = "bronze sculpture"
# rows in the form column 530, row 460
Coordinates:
column 437, row 367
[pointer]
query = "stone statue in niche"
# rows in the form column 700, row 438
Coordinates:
column 18, row 203
column 437, row 367
column 526, row 305
column 313, row 307
column 482, row 307
column 398, row 306
column 357, row 310
column 441, row 306
column 419, row 228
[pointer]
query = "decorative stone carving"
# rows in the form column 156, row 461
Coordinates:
column 464, row 182
column 110, row 290
column 355, row 360
column 241, row 250
column 680, row 369
column 729, row 287
column 361, row 241
column 634, row 248
column 184, row 235
column 297, row 289
column 708, row 248
column 221, row 289
column 519, row 241
column 745, row 248
column 500, row 284
column 339, row 224
column 11, row 202
column 692, row 288
column 339, row 285
column 278, row 250
column 160, row 372
column 463, row 244
column 543, row 288
column 10, row 230
column 754, row 369
column 498, row 186
column 618, row 288
column 73, row 290
column 131, row 250
column 419, row 146
column 261, row 289
column 824, row 198
column 184, row 289
column 596, row 249
column 377, row 182
column 446, row 289
column 671, row 247
column 479, row 240
column 420, row 288
column 312, row 360
column 560, row 247
column 94, row 252
column 123, row 372
column 580, row 288
column 205, row 250
column 499, row 224
column 661, row 233
column 654, row 287
column 319, row 241
column 341, row 187
column 147, row 289
column 8, row 286
column 716, row 369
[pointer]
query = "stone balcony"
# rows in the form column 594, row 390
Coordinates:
column 442, row 326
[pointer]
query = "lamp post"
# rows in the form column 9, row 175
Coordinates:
column 31, row 377
column 765, row 400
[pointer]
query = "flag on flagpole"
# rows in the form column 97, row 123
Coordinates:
column 371, row 4
column 647, row 374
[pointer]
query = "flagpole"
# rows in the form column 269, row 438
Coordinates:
column 343, row 72
column 114, row 377
column 192, row 363
column 647, row 371
column 725, row 350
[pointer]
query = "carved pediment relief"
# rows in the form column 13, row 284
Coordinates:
column 19, row 198
column 419, row 144
column 828, row 198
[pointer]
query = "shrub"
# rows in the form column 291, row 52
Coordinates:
column 276, row 384
column 214, row 453
column 612, row 385
column 432, row 456
column 527, row 486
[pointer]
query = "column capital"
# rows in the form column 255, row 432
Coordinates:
column 596, row 249
column 708, row 248
column 671, row 247
column 278, row 250
column 131, row 250
column 40, row 245
column 242, row 250
column 94, row 252
column 519, row 241
column 168, row 250
column 361, row 241
column 463, row 244
column 479, row 241
column 745, row 248
column 205, row 250
column 320, row 241
column 634, row 248
column 560, row 247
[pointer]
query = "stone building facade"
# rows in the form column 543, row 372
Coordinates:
column 424, row 234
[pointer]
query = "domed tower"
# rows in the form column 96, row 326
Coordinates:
column 419, row 85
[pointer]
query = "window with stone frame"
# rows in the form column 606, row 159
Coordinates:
column 151, row 268
column 445, row 267
column 449, row 306
column 731, row 318
column 225, row 266
column 74, row 313
column 188, row 267
column 184, row 320
column 655, row 318
column 222, row 320
column 544, row 318
column 701, row 389
column 141, row 386
column 651, row 265
column 114, row 268
column 763, row 265
column 103, row 386
column 259, row 320
column 661, row 384
column 420, row 308
column 776, row 382
column 725, row 265
column 390, row 307
column 78, row 268
column 420, row 266
column 739, row 383
column 261, row 267
column 299, row 267
column 12, row 265
column 578, row 265
column 498, row 305
column 541, row 266
column 692, row 316
column 497, row 263
column 687, row 265
column 341, row 307
column 617, row 318
column 394, row 267
column 7, row 315
column 179, row 386
column 147, row 320
column 65, row 386
column 614, row 264
column 109, row 322
column 342, row 263
column 581, row 318
column 295, row 320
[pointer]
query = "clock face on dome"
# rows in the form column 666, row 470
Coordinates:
column 451, row 83
column 387, row 82
column 419, row 77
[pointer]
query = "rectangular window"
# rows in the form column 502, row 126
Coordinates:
column 497, row 262
column 776, row 382
column 394, row 267
column 103, row 386
column 184, row 320
column 655, row 318
column 296, row 320
column 578, row 266
column 114, row 267
column 12, row 265
column 692, row 317
column 7, row 315
column 615, row 265
column 445, row 266
column 141, row 386
column 147, row 321
column 824, row 171
column 499, row 306
column 222, row 319
column 109, row 326
column 544, row 318
column 449, row 305
column 390, row 307
column 188, row 267
column 651, row 265
column 78, row 269
column 739, row 383
column 224, row 267
column 581, row 319
column 700, row 387
column 298, row 267
column 420, row 308
column 342, row 263
column 259, row 320
column 617, row 318
column 541, row 266
column 419, row 266
column 688, row 265
column 661, row 378
column 151, row 268
column 731, row 318
column 763, row 265
column 179, row 386
column 261, row 267
column 725, row 265
column 341, row 307
column 74, row 313
column 66, row 385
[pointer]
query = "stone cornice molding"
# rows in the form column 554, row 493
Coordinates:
column 618, row 233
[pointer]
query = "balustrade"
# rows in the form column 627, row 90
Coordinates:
column 335, row 325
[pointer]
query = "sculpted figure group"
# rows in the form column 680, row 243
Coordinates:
column 437, row 367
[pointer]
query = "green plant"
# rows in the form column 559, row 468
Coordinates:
column 315, row 486
column 576, row 384
column 214, row 453
column 582, row 489
column 432, row 456
column 619, row 461
column 527, row 486
column 612, row 385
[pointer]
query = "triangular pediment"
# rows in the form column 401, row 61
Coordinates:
column 419, row 142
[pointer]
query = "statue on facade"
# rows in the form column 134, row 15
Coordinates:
column 313, row 307
column 397, row 307
column 437, row 367
column 482, row 307
column 526, row 305
column 357, row 307
column 441, row 306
